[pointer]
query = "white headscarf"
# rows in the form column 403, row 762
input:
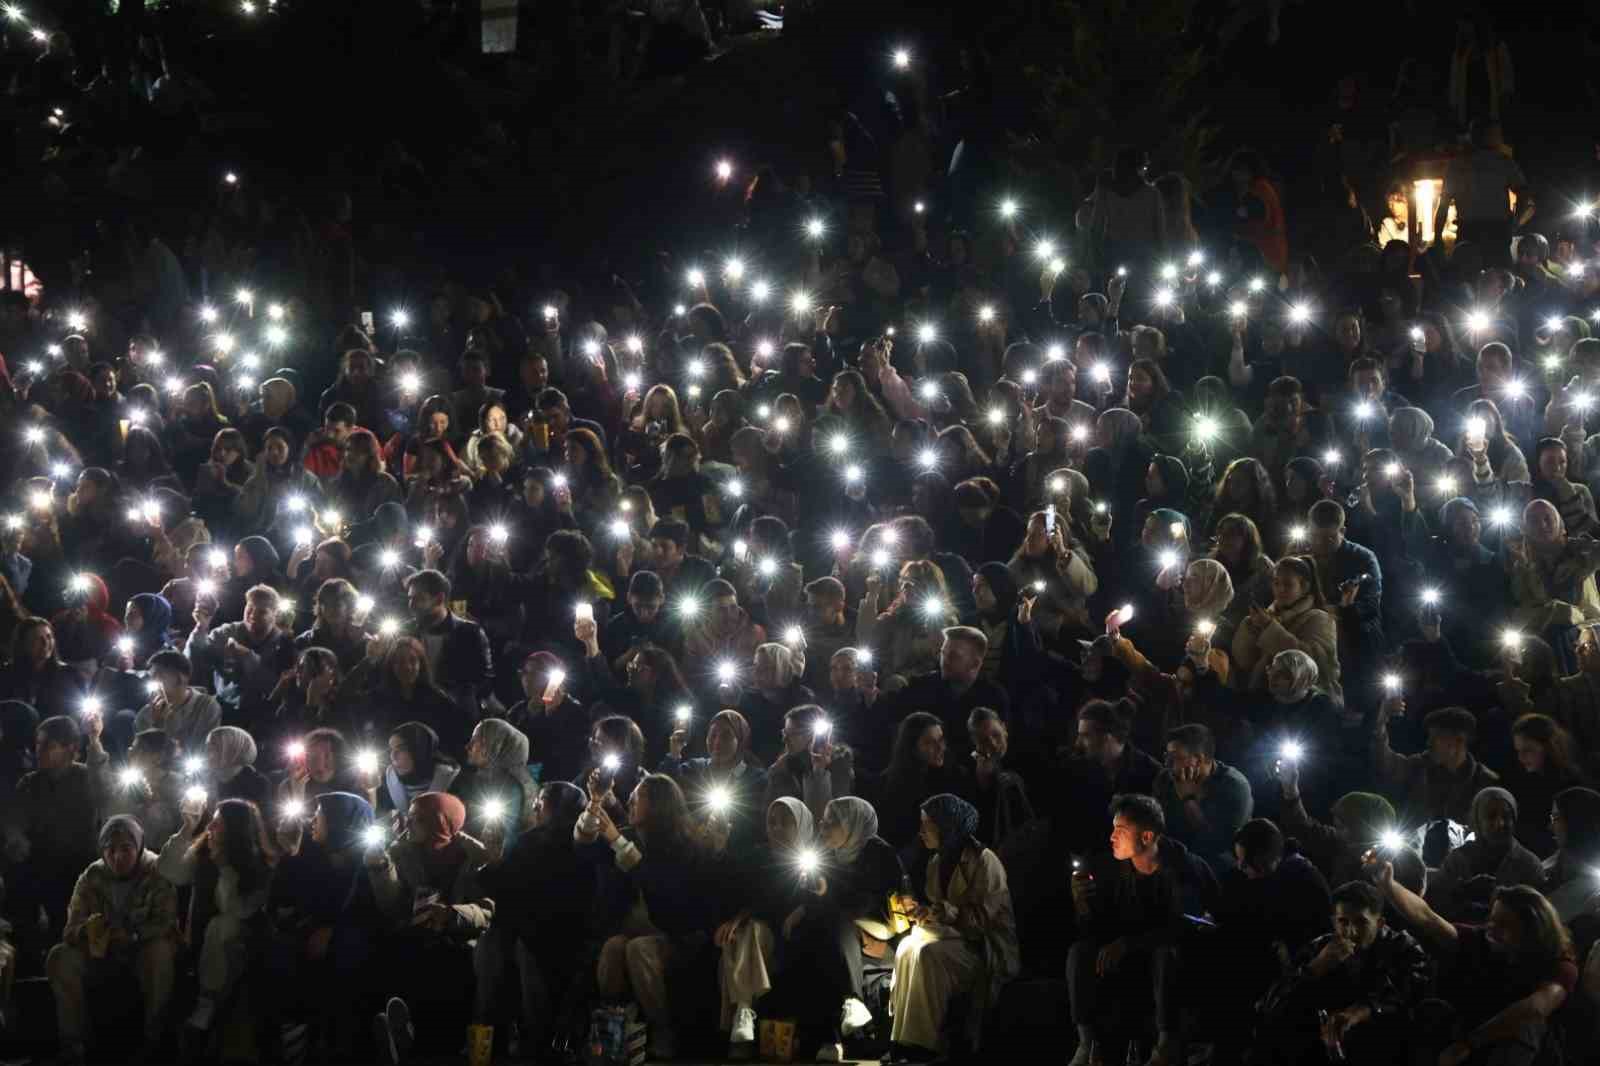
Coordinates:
column 234, row 749
column 1213, row 587
column 860, row 822
column 805, row 825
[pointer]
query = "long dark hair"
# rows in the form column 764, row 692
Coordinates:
column 245, row 849
column 905, row 769
column 667, row 830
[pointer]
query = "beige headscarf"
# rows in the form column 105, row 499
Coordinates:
column 1213, row 588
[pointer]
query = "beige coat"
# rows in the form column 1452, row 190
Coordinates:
column 1301, row 627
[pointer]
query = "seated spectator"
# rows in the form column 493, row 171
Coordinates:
column 812, row 769
column 230, row 755
column 150, row 787
column 1440, row 782
column 184, row 713
column 1354, row 989
column 426, row 886
column 123, row 918
column 1568, row 874
column 1130, row 908
column 1544, row 767
column 1502, row 981
column 963, row 947
column 1295, row 620
column 955, row 688
column 1459, row 890
column 496, row 775
column 1205, row 801
column 416, row 765
column 729, row 781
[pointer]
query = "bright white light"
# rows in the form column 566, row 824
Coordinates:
column 815, row 228
column 1477, row 321
column 634, row 343
column 902, row 58
column 1364, row 410
column 726, row 672
column 1391, row 682
column 695, row 277
column 1299, row 313
column 928, row 458
column 724, row 169
column 733, row 269
column 1291, row 750
column 1167, row 559
column 1430, row 596
column 1501, row 516
column 933, row 607
column 130, row 778
column 194, row 764
column 372, row 835
column 1390, row 840
column 367, row 762
column 853, row 473
column 1237, row 309
column 800, row 302
column 1297, row 533
column 1008, row 208
column 1045, row 249
column 839, row 540
column 1055, row 353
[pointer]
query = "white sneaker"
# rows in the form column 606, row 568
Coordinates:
column 744, row 1026
column 854, row 1018
column 830, row 1053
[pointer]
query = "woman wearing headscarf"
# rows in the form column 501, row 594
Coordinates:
column 146, row 620
column 774, row 687
column 230, row 766
column 857, row 871
column 769, row 885
column 433, row 858
column 85, row 631
column 1411, row 437
column 121, row 899
column 325, row 919
column 1014, row 647
column 540, row 923
column 416, row 765
column 730, row 774
column 1552, row 575
column 1569, row 873
column 496, row 774
column 255, row 562
column 964, row 948
column 1460, row 889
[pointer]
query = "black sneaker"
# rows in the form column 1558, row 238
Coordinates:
column 397, row 1024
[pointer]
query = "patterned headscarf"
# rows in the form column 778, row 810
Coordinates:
column 508, row 752
column 957, row 821
column 860, row 823
column 437, row 819
column 805, row 826
column 234, row 749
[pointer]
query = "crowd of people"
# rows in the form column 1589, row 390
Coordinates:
column 820, row 639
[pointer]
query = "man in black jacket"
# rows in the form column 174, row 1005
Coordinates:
column 1105, row 763
column 1131, row 908
column 1367, row 976
column 955, row 690
column 457, row 648
column 642, row 622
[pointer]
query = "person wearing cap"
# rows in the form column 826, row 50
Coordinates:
column 123, row 918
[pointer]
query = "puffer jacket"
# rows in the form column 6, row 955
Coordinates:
column 1301, row 626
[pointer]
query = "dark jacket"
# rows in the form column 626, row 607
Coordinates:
column 465, row 668
column 558, row 742
column 1148, row 916
column 931, row 692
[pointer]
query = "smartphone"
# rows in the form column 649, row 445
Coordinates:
column 820, row 734
column 368, row 324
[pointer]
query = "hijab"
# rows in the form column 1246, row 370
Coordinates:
column 1211, row 586
column 423, row 743
column 805, row 825
column 1004, row 588
column 740, row 726
column 264, row 556
column 437, row 819
column 1174, row 475
column 122, row 825
column 1168, row 517
column 347, row 817
column 235, row 749
column 782, row 660
column 1302, row 670
column 957, row 821
column 1122, row 428
column 860, row 823
column 156, row 610
column 565, row 803
column 1409, row 430
column 507, row 747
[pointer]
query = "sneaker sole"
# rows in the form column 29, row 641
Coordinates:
column 397, row 1021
